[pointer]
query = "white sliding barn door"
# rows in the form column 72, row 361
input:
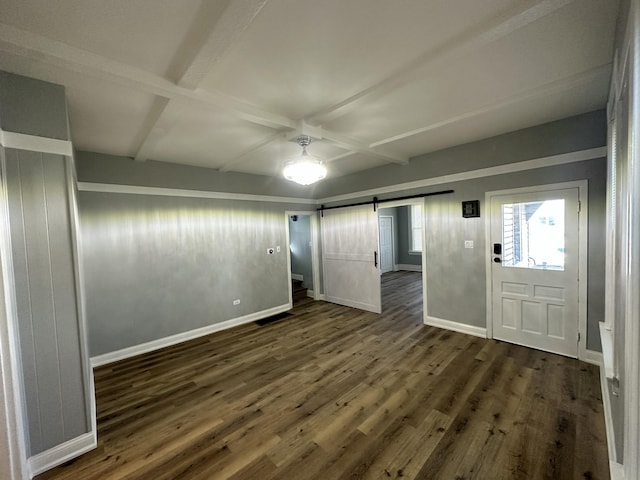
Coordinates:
column 350, row 257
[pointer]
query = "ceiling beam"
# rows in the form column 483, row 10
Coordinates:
column 52, row 52
column 150, row 133
column 540, row 91
column 217, row 26
column 499, row 27
column 339, row 157
column 357, row 147
column 319, row 134
column 217, row 37
column 254, row 148
column 41, row 49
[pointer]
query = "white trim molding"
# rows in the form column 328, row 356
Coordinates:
column 456, row 327
column 407, row 267
column 176, row 192
column 153, row 345
column 553, row 160
column 606, row 340
column 297, row 276
column 21, row 141
column 561, row 159
column 616, row 469
column 593, row 357
column 59, row 454
column 13, row 384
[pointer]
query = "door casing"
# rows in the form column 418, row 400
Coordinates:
column 583, row 235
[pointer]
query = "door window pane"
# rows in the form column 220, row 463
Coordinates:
column 533, row 235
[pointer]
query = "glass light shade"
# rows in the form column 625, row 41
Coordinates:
column 305, row 171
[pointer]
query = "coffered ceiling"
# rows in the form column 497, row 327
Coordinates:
column 228, row 84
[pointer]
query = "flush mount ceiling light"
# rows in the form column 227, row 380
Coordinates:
column 305, row 170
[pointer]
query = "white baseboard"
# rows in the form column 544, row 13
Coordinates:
column 592, row 357
column 616, row 470
column 408, row 267
column 311, row 294
column 456, row 327
column 128, row 352
column 297, row 276
column 347, row 302
column 61, row 453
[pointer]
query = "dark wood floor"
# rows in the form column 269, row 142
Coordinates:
column 335, row 393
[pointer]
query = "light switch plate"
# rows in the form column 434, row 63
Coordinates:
column 468, row 244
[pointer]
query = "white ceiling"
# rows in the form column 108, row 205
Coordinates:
column 227, row 84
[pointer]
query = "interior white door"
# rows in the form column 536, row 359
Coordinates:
column 534, row 246
column 386, row 244
column 350, row 257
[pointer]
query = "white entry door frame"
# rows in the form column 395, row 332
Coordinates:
column 582, row 186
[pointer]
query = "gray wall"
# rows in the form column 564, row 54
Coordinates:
column 32, row 107
column 100, row 168
column 44, row 289
column 568, row 135
column 456, row 285
column 157, row 266
column 300, row 238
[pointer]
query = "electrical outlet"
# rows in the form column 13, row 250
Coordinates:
column 278, row 249
column 236, row 301
column 270, row 251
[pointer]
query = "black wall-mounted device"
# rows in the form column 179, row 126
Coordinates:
column 471, row 208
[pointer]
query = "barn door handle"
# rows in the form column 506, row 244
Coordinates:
column 375, row 259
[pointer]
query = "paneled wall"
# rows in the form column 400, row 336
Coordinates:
column 41, row 275
column 46, row 298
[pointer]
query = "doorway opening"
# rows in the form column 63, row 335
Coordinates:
column 401, row 240
column 303, row 264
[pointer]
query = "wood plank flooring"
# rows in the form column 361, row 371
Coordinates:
column 335, row 393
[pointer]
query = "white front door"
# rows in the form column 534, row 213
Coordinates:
column 535, row 258
column 386, row 244
column 350, row 257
